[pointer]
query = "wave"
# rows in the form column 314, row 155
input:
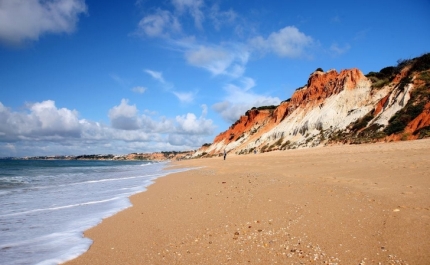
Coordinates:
column 151, row 176
column 67, row 206
column 72, row 240
column 115, row 179
column 5, row 182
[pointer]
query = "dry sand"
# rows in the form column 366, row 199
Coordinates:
column 361, row 204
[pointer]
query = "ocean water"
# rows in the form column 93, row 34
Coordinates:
column 46, row 205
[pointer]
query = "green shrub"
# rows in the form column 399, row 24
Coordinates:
column 387, row 71
column 415, row 110
column 263, row 149
column 423, row 132
column 279, row 142
column 271, row 107
column 285, row 145
column 405, row 80
column 398, row 122
column 362, row 122
column 401, row 63
column 404, row 136
column 384, row 73
column 372, row 132
column 425, row 76
column 422, row 63
column 383, row 77
column 421, row 94
column 380, row 83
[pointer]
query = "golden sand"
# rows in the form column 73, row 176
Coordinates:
column 361, row 204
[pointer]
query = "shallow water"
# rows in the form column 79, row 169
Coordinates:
column 46, row 205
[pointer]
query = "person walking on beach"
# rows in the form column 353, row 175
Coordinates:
column 225, row 154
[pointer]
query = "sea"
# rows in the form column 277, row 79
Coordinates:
column 46, row 205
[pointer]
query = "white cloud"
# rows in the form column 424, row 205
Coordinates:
column 189, row 142
column 361, row 35
column 229, row 112
column 287, row 42
column 100, row 134
column 150, row 112
column 214, row 60
column 139, row 89
column 119, row 80
column 185, row 97
column 22, row 20
column 159, row 77
column 156, row 75
column 10, row 147
column 164, row 125
column 240, row 98
column 193, row 7
column 53, row 120
column 190, row 124
column 165, row 23
column 337, row 50
column 220, row 18
column 44, row 129
column 124, row 116
column 230, row 60
column 160, row 24
column 224, row 59
column 43, row 121
column 204, row 110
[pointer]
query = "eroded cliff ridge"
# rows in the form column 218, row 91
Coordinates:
column 346, row 107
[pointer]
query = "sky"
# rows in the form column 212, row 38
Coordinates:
column 118, row 77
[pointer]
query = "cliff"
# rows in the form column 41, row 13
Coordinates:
column 347, row 107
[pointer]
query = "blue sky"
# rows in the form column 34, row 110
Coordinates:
column 98, row 77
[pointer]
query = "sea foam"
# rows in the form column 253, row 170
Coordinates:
column 46, row 206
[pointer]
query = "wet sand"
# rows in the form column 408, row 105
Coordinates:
column 354, row 204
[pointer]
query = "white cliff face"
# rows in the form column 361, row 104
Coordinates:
column 396, row 101
column 335, row 113
column 331, row 106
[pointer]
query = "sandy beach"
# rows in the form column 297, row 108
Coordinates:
column 349, row 204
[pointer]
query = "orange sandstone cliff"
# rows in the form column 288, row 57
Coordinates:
column 345, row 107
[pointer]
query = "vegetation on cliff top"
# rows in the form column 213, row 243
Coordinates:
column 271, row 107
column 366, row 129
column 387, row 74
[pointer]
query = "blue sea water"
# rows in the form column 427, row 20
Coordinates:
column 46, row 205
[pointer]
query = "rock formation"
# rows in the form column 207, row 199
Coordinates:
column 345, row 107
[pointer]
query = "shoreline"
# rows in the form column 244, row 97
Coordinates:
column 340, row 204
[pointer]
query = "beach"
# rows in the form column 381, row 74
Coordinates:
column 343, row 204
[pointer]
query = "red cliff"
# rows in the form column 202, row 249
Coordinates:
column 333, row 107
